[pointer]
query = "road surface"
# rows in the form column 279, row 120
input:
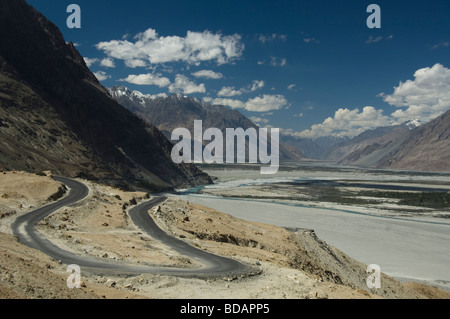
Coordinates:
column 213, row 265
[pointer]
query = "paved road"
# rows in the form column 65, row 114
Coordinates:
column 213, row 265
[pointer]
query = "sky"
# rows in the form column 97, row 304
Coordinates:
column 310, row 68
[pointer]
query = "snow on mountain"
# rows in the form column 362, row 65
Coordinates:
column 121, row 91
column 412, row 124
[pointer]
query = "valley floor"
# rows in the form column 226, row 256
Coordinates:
column 295, row 263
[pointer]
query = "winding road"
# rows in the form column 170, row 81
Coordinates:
column 213, row 265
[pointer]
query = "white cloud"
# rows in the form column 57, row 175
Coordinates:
column 274, row 61
column 257, row 85
column 208, row 74
column 235, row 104
column 373, row 39
column 89, row 62
column 348, row 123
column 291, row 86
column 425, row 97
column 263, row 103
column 266, row 103
column 230, row 91
column 108, row 63
column 186, row 86
column 307, row 38
column 101, row 75
column 147, row 79
column 194, row 48
column 135, row 63
column 311, row 40
column 272, row 37
column 442, row 44
column 259, row 120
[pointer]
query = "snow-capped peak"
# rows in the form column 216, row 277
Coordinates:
column 412, row 124
column 119, row 91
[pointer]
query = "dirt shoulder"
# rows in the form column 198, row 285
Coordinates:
column 294, row 264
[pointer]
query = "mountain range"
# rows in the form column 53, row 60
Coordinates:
column 412, row 145
column 174, row 111
column 369, row 147
column 55, row 115
column 396, row 146
column 426, row 148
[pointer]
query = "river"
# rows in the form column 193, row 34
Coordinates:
column 408, row 249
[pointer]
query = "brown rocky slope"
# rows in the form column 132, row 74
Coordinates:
column 55, row 115
column 426, row 149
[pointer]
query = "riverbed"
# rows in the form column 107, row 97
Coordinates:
column 406, row 247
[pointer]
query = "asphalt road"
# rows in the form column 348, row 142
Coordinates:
column 213, row 266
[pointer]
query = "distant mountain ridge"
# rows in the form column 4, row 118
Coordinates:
column 177, row 110
column 427, row 148
column 370, row 146
column 314, row 148
column 55, row 115
column 412, row 145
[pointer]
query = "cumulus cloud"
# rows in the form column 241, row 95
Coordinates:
column 266, row 103
column 348, row 123
column 208, row 74
column 263, row 103
column 89, row 62
column 235, row 104
column 259, row 120
column 135, row 63
column 194, row 48
column 230, row 91
column 147, row 79
column 256, row 85
column 184, row 85
column 425, row 97
column 102, row 76
column 108, row 63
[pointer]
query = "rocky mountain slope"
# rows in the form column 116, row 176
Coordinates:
column 55, row 115
column 427, row 148
column 169, row 113
column 370, row 146
column 316, row 148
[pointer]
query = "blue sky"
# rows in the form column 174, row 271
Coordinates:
column 311, row 68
